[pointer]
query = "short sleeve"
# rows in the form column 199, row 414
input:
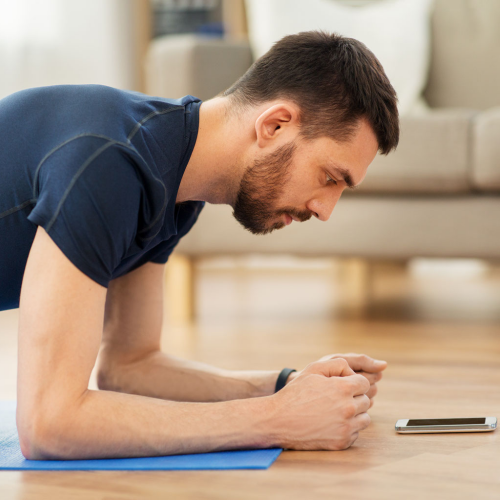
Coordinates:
column 89, row 197
column 186, row 215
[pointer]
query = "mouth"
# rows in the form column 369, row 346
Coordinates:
column 288, row 219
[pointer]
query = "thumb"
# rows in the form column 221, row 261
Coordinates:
column 363, row 363
column 337, row 367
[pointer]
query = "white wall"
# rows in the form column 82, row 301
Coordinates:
column 49, row 42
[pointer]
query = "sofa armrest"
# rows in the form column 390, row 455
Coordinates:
column 190, row 64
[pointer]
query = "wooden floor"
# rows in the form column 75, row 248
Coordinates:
column 439, row 331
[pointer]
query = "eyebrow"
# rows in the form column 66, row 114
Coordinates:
column 345, row 174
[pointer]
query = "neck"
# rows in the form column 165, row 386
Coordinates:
column 213, row 173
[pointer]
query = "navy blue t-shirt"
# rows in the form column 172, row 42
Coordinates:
column 99, row 169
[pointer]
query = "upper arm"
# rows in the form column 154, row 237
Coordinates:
column 134, row 314
column 60, row 328
column 90, row 200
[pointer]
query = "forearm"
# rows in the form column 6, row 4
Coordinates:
column 107, row 424
column 163, row 376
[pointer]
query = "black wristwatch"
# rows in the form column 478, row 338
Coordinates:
column 282, row 378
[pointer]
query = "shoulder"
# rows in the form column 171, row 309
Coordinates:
column 85, row 179
column 85, row 155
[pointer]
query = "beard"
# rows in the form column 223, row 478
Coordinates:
column 261, row 186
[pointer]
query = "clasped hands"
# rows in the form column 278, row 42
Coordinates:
column 360, row 364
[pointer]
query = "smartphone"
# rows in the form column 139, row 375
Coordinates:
column 431, row 425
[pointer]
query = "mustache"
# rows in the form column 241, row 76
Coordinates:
column 301, row 215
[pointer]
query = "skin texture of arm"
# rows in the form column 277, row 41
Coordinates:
column 60, row 329
column 131, row 360
column 61, row 321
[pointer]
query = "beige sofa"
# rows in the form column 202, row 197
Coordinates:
column 438, row 195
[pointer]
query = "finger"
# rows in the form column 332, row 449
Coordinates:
column 330, row 368
column 361, row 421
column 373, row 391
column 362, row 362
column 362, row 404
column 354, row 436
column 358, row 384
column 373, row 378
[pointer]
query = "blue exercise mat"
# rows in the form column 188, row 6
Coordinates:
column 11, row 457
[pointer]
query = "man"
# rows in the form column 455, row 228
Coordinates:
column 99, row 184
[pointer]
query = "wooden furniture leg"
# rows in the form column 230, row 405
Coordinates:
column 179, row 289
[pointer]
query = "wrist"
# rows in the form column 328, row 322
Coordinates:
column 265, row 430
column 257, row 383
column 283, row 378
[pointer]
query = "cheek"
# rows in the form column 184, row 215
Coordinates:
column 298, row 188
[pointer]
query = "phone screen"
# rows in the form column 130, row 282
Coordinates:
column 446, row 421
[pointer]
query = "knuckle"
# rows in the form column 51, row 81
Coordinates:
column 348, row 411
column 364, row 421
column 345, row 431
column 345, row 443
column 361, row 382
column 365, row 383
column 344, row 388
column 353, row 438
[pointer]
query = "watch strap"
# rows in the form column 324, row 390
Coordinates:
column 282, row 378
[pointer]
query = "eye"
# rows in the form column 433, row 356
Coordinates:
column 329, row 180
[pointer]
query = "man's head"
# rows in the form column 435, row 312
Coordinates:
column 324, row 108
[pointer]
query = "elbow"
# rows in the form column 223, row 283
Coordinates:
column 35, row 438
column 29, row 446
column 31, row 442
column 42, row 438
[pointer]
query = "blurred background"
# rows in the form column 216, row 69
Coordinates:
column 419, row 243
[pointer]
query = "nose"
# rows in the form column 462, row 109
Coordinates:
column 322, row 208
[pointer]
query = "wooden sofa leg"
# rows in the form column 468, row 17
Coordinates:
column 356, row 285
column 179, row 289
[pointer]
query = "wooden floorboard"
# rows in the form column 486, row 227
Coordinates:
column 440, row 365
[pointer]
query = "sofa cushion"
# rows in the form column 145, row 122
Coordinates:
column 394, row 227
column 465, row 65
column 432, row 156
column 486, row 156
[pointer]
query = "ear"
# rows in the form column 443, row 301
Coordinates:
column 275, row 121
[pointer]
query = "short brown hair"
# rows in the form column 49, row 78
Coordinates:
column 334, row 80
